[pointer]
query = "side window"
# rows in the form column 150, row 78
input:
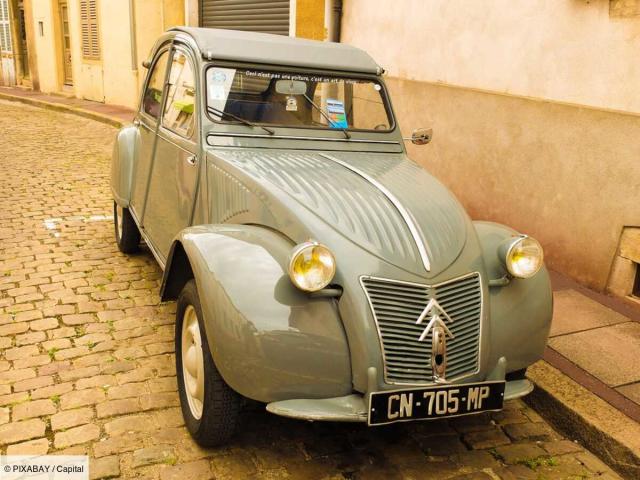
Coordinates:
column 181, row 97
column 152, row 102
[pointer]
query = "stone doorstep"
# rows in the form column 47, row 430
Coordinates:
column 582, row 415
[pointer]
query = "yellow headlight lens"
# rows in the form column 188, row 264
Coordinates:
column 312, row 266
column 524, row 257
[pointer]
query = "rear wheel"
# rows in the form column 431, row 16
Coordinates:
column 127, row 233
column 209, row 406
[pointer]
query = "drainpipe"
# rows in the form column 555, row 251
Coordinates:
column 132, row 35
column 332, row 19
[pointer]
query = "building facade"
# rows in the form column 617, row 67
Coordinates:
column 93, row 49
column 535, row 107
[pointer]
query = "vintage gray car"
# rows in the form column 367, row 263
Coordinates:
column 316, row 268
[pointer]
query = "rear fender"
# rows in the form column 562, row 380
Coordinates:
column 122, row 160
column 269, row 340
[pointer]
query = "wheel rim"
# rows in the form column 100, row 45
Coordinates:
column 119, row 215
column 192, row 362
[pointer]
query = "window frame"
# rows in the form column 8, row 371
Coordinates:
column 141, row 111
column 293, row 70
column 176, row 47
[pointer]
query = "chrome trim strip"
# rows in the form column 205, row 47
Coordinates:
column 293, row 137
column 163, row 136
column 435, row 285
column 408, row 219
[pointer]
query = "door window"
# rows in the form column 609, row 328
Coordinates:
column 179, row 112
column 152, row 102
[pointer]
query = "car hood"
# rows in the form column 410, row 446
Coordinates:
column 385, row 203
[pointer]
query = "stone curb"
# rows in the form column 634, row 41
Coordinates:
column 59, row 107
column 583, row 416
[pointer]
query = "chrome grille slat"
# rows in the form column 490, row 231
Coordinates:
column 396, row 307
column 401, row 322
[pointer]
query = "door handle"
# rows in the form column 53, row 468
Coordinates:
column 192, row 160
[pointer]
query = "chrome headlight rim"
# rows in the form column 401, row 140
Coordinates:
column 297, row 250
column 514, row 243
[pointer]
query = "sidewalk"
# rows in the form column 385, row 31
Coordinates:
column 588, row 385
column 595, row 340
column 111, row 114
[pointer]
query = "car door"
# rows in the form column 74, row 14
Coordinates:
column 174, row 176
column 147, row 122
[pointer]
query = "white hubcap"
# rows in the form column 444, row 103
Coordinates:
column 192, row 362
column 119, row 214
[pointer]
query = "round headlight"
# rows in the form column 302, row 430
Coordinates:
column 311, row 266
column 524, row 257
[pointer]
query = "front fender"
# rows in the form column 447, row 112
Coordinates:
column 269, row 340
column 520, row 310
column 124, row 149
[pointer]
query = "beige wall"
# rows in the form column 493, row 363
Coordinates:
column 45, row 44
column 111, row 79
column 566, row 50
column 525, row 98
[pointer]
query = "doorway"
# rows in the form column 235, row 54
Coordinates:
column 66, row 44
column 7, row 68
column 22, row 33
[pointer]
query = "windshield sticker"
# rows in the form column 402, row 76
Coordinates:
column 218, row 77
column 219, row 83
column 335, row 109
column 292, row 104
column 304, row 78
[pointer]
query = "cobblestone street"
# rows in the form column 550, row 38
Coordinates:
column 87, row 364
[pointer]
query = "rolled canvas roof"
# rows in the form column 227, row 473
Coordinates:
column 253, row 47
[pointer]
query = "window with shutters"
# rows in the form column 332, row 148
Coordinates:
column 89, row 29
column 5, row 27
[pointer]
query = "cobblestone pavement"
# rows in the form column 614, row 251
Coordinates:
column 87, row 364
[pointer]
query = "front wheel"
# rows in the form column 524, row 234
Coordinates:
column 209, row 406
column 127, row 233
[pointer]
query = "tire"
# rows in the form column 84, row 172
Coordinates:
column 213, row 420
column 127, row 233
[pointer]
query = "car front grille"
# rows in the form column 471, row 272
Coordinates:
column 396, row 307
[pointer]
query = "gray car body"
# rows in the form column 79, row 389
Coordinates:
column 231, row 219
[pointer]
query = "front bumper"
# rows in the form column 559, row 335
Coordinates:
column 354, row 407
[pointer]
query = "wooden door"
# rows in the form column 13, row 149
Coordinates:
column 66, row 44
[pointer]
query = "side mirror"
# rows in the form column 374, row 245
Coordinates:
column 421, row 136
column 146, row 63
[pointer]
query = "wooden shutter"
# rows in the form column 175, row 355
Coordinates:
column 269, row 16
column 89, row 29
column 5, row 27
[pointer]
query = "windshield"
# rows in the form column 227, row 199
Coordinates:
column 296, row 100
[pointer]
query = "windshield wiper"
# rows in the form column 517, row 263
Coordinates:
column 222, row 113
column 322, row 112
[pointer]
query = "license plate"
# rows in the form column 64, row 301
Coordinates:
column 429, row 403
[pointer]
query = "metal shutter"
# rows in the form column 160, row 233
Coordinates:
column 89, row 29
column 268, row 16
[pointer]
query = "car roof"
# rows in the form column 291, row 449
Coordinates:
column 265, row 48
